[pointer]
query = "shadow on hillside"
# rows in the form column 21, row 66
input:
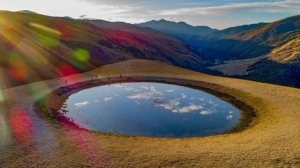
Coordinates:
column 277, row 73
column 234, row 49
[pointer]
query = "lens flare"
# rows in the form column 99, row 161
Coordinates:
column 5, row 134
column 1, row 23
column 65, row 29
column 46, row 36
column 45, row 29
column 37, row 90
column 47, row 41
column 21, row 124
column 82, row 55
column 66, row 70
column 17, row 68
column 87, row 144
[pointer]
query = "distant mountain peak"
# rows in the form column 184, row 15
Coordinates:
column 27, row 11
column 177, row 28
column 163, row 20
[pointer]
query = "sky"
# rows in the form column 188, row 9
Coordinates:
column 218, row 14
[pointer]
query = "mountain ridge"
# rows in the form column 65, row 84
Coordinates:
column 176, row 28
column 45, row 47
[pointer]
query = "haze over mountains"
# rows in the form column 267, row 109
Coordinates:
column 35, row 47
column 185, row 32
column 267, row 52
column 180, row 28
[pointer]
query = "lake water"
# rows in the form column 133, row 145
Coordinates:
column 150, row 109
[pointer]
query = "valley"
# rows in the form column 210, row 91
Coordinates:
column 253, row 70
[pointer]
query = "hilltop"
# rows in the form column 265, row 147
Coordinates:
column 35, row 47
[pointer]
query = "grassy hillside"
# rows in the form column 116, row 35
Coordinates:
column 210, row 38
column 269, row 53
column 255, row 42
column 35, row 47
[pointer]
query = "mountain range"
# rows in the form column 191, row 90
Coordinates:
column 269, row 53
column 177, row 28
column 187, row 33
column 36, row 47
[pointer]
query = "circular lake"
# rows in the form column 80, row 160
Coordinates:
column 150, row 109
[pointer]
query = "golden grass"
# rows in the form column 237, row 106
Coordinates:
column 236, row 67
column 287, row 52
column 272, row 141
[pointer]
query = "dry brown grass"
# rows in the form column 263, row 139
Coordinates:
column 236, row 67
column 287, row 52
column 272, row 141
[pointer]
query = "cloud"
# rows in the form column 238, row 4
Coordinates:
column 144, row 87
column 206, row 112
column 128, row 89
column 152, row 94
column 171, row 90
column 118, row 86
column 172, row 104
column 282, row 6
column 107, row 99
column 229, row 117
column 204, row 12
column 187, row 109
column 81, row 104
column 183, row 96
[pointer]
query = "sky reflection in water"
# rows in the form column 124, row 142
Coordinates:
column 150, row 109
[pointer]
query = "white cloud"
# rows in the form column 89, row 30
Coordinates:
column 118, row 86
column 144, row 87
column 81, row 104
column 206, row 112
column 187, row 109
column 183, row 96
column 229, row 117
column 201, row 99
column 283, row 6
column 107, row 99
column 172, row 104
column 209, row 13
column 166, row 106
column 171, row 90
column 152, row 94
column 152, row 88
column 128, row 89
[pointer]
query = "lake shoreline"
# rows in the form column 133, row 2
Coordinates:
column 49, row 110
column 32, row 138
